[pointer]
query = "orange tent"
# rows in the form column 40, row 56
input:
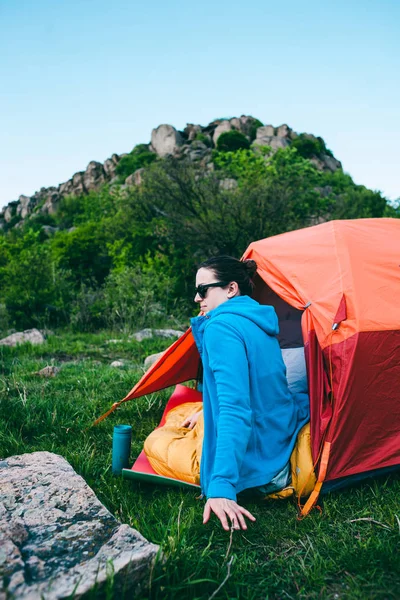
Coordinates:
column 342, row 279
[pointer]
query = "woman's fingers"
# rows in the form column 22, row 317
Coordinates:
column 241, row 521
column 223, row 508
column 206, row 512
column 246, row 513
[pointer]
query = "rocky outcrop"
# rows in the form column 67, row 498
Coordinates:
column 58, row 541
column 46, row 200
column 165, row 139
column 33, row 336
column 195, row 143
column 275, row 137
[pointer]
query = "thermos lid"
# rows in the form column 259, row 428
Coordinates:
column 123, row 429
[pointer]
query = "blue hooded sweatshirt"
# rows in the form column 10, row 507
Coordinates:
column 251, row 420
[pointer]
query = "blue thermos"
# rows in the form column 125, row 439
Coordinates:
column 121, row 448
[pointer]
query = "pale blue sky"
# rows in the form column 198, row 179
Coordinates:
column 80, row 80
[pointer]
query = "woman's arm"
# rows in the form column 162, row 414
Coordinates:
column 229, row 364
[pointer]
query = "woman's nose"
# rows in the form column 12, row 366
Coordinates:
column 197, row 298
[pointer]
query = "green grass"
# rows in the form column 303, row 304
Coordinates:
column 323, row 556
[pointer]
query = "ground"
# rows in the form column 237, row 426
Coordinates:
column 351, row 549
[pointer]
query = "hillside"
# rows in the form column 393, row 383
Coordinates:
column 195, row 142
column 117, row 245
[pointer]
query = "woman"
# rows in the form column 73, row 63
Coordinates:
column 251, row 420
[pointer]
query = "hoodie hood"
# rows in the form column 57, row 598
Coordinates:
column 262, row 315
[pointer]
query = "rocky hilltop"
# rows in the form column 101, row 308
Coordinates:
column 195, row 142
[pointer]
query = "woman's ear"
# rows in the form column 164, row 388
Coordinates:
column 233, row 289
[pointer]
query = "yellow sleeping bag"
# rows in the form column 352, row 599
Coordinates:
column 175, row 451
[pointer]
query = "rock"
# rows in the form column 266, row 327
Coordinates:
column 48, row 371
column 150, row 360
column 58, row 541
column 144, row 334
column 135, row 178
column 51, row 203
column 266, row 131
column 34, row 336
column 278, row 142
column 326, row 163
column 10, row 211
column 283, row 131
column 77, row 182
column 168, row 333
column 191, row 131
column 2, row 224
column 196, row 150
column 110, row 165
column 117, row 364
column 228, row 184
column 331, row 163
column 165, row 139
column 49, row 230
column 221, row 128
column 25, row 206
column 247, row 124
column 94, row 176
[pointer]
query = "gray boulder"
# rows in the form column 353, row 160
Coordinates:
column 58, row 541
column 144, row 334
column 223, row 127
column 266, row 131
column 25, row 206
column 150, row 360
column 10, row 211
column 117, row 364
column 283, row 131
column 110, row 165
column 51, row 203
column 165, row 140
column 94, row 176
column 34, row 336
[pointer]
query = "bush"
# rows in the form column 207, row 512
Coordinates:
column 309, row 146
column 138, row 158
column 130, row 300
column 88, row 309
column 201, row 137
column 233, row 140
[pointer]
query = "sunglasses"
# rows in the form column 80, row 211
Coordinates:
column 201, row 289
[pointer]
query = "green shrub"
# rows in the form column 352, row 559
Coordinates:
column 130, row 300
column 138, row 158
column 88, row 308
column 233, row 140
column 309, row 146
column 201, row 137
column 243, row 165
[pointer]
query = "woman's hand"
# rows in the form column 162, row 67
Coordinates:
column 223, row 507
column 191, row 421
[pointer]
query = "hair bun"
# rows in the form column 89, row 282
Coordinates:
column 250, row 266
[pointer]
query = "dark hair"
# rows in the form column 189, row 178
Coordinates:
column 227, row 268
